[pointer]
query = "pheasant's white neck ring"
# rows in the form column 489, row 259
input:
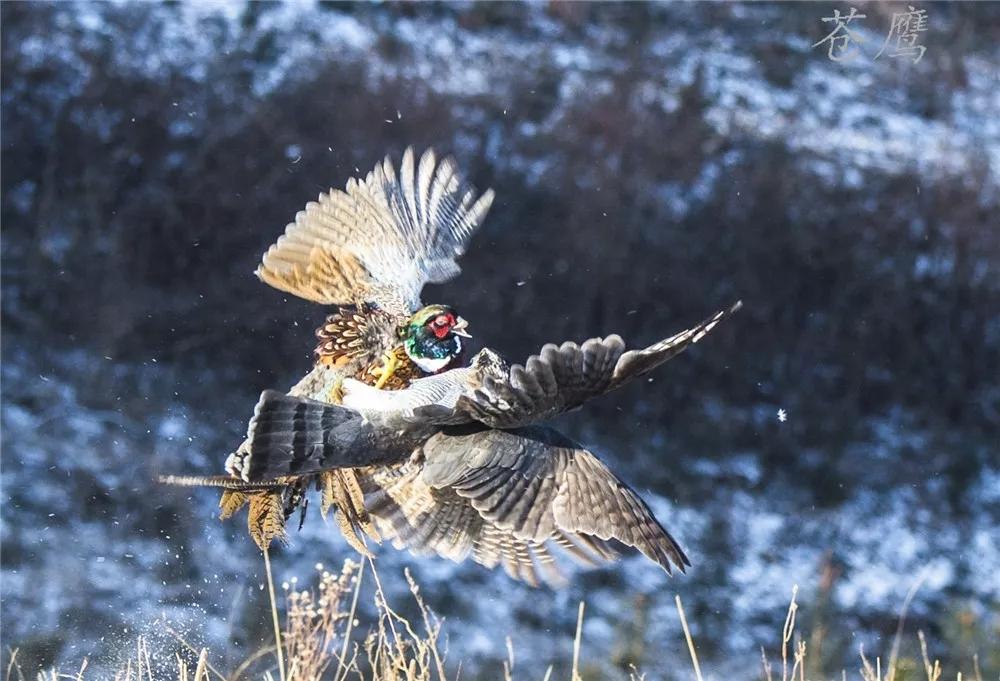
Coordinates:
column 432, row 365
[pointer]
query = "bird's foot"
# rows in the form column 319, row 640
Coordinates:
column 388, row 368
column 336, row 394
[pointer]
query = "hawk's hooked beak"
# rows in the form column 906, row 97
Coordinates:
column 459, row 328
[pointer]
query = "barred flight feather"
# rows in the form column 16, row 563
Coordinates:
column 380, row 240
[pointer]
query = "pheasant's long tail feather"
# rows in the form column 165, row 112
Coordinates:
column 221, row 481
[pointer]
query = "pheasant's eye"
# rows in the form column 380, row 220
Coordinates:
column 442, row 320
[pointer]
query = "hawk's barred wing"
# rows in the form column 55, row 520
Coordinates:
column 562, row 378
column 556, row 380
column 380, row 240
column 519, row 499
column 516, row 498
column 428, row 521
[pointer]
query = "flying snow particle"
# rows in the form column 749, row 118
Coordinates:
column 782, row 415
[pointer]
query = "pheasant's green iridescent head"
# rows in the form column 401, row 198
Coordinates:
column 432, row 337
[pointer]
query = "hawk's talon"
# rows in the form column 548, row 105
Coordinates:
column 389, row 365
column 336, row 393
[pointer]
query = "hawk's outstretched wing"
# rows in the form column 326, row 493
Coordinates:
column 556, row 380
column 519, row 499
column 381, row 239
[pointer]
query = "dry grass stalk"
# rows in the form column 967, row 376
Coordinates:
column 897, row 639
column 315, row 623
column 200, row 671
column 933, row 671
column 143, row 669
column 432, row 627
column 274, row 608
column 318, row 631
column 868, row 672
column 241, row 670
column 407, row 655
column 576, row 643
column 342, row 665
column 180, row 639
column 508, row 664
column 765, row 664
column 788, row 631
column 800, row 660
column 687, row 637
column 13, row 666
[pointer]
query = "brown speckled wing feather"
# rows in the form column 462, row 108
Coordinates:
column 354, row 333
column 381, row 239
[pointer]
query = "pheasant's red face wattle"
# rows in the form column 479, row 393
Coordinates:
column 442, row 324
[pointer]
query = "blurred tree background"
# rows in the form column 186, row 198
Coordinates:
column 652, row 163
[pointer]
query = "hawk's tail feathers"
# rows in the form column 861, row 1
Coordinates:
column 288, row 436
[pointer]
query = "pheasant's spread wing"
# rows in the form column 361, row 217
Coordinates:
column 556, row 380
column 381, row 239
column 517, row 499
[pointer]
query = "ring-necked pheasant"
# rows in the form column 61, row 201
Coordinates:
column 402, row 440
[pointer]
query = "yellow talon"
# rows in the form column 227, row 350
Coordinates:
column 385, row 372
column 337, row 391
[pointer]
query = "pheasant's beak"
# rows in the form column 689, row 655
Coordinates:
column 459, row 328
